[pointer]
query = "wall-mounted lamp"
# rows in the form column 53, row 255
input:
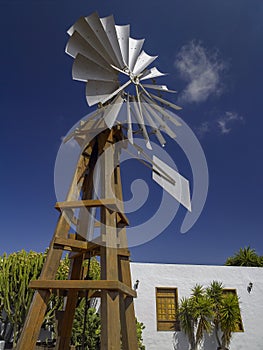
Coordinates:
column 249, row 287
column 136, row 285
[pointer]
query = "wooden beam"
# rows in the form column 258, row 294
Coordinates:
column 123, row 252
column 81, row 293
column 123, row 221
column 123, row 218
column 120, row 252
column 74, row 244
column 86, row 203
column 63, row 339
column 127, row 313
column 83, row 285
column 128, row 320
column 110, row 330
column 106, row 202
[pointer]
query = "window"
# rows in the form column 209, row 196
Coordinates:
column 166, row 309
column 239, row 327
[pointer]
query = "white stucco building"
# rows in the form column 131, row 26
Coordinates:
column 171, row 280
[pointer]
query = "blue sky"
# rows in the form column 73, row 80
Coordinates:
column 213, row 53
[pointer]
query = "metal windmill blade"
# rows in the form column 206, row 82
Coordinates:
column 105, row 54
column 102, row 51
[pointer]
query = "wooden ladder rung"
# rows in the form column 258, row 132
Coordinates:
column 74, row 244
column 88, row 203
column 83, row 285
column 82, row 293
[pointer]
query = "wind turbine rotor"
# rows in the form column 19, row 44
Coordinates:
column 102, row 50
column 108, row 60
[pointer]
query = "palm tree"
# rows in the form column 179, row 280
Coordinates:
column 215, row 293
column 187, row 320
column 207, row 310
column 195, row 314
column 226, row 313
column 245, row 257
column 229, row 318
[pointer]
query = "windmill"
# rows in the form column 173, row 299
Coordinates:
column 112, row 64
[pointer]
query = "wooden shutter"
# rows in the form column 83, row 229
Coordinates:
column 166, row 309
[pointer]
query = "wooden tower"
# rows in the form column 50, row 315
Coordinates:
column 114, row 288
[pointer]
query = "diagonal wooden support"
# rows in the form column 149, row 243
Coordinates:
column 38, row 307
column 76, row 271
column 63, row 340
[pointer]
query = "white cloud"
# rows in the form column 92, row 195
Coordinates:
column 203, row 129
column 201, row 70
column 233, row 116
column 227, row 120
column 223, row 124
column 223, row 127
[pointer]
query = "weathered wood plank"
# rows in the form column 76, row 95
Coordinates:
column 128, row 320
column 73, row 244
column 109, row 202
column 86, row 203
column 82, row 285
column 71, row 302
column 110, row 309
column 127, row 313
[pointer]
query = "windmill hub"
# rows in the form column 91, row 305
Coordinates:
column 126, row 72
column 135, row 79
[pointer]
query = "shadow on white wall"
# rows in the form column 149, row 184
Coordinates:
column 180, row 342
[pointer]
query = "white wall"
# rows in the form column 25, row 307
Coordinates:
column 184, row 277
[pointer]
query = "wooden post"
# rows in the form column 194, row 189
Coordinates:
column 127, row 314
column 110, row 330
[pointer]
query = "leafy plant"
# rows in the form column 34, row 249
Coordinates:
column 245, row 257
column 89, row 335
column 16, row 270
column 207, row 310
column 139, row 328
column 195, row 314
column 56, row 302
column 215, row 293
column 229, row 314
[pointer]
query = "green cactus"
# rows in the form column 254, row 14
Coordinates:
column 16, row 270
